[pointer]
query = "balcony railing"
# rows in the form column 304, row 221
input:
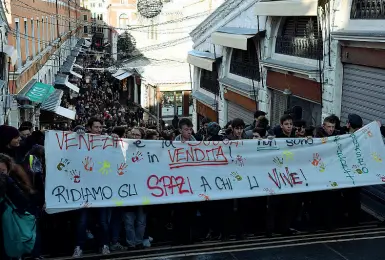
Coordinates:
column 368, row 9
column 309, row 48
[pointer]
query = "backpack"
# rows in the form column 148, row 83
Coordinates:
column 19, row 230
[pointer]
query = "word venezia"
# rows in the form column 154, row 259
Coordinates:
column 89, row 142
column 93, row 194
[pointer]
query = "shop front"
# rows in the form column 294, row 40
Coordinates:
column 289, row 92
column 205, row 111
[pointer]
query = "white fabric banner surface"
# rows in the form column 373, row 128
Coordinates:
column 98, row 171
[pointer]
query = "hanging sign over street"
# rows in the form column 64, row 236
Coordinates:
column 99, row 171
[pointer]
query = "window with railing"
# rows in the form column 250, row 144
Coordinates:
column 209, row 80
column 301, row 37
column 245, row 63
column 367, row 9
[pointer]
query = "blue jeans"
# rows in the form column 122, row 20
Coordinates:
column 116, row 223
column 135, row 225
column 103, row 215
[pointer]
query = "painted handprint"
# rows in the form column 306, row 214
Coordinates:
column 205, row 197
column 322, row 167
column 269, row 190
column 62, row 165
column 357, row 169
column 121, row 168
column 369, row 133
column 239, row 160
column 316, row 159
column 146, row 201
column 88, row 164
column 86, row 204
column 75, row 176
column 118, row 202
column 288, row 155
column 278, row 161
column 106, row 167
column 324, row 140
column 236, row 176
column 376, row 157
column 382, row 177
column 137, row 157
column 333, row 184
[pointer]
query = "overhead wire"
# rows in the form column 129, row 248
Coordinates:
column 193, row 16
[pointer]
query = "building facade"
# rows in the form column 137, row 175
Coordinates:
column 268, row 56
column 163, row 40
column 43, row 34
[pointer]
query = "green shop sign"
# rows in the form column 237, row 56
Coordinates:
column 39, row 92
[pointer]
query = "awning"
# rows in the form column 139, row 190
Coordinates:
column 35, row 91
column 75, row 52
column 234, row 37
column 72, row 86
column 124, row 75
column 76, row 74
column 203, row 60
column 11, row 52
column 62, row 80
column 119, row 72
column 203, row 98
column 68, row 65
column 78, row 66
column 68, row 113
column 53, row 101
column 287, row 8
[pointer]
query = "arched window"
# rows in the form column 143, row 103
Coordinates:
column 123, row 21
column 301, row 37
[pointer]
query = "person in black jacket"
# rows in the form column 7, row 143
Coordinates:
column 281, row 208
column 9, row 188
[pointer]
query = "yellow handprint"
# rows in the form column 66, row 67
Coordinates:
column 118, row 203
column 106, row 167
column 376, row 157
column 146, row 201
column 322, row 167
column 288, row 155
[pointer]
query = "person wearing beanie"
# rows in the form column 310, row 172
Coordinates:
column 354, row 123
column 213, row 132
column 9, row 141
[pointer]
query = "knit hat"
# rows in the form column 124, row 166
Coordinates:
column 213, row 128
column 7, row 133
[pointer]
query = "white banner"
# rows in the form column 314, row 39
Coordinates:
column 97, row 171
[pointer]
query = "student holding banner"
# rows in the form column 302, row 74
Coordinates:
column 95, row 126
column 281, row 209
column 324, row 204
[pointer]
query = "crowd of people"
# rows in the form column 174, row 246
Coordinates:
column 99, row 110
column 22, row 166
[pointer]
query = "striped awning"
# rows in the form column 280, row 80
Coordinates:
column 62, row 80
column 53, row 101
column 35, row 92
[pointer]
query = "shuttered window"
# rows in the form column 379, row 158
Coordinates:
column 209, row 80
column 278, row 106
column 245, row 63
column 300, row 36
